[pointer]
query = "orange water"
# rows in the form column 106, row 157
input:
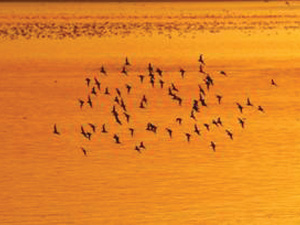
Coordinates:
column 254, row 179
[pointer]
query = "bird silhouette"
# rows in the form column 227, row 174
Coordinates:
column 196, row 129
column 93, row 91
column 103, row 129
column 173, row 87
column 106, row 91
column 240, row 107
column 141, row 78
column 213, row 146
column 273, row 83
column 249, row 102
column 223, row 73
column 89, row 101
column 201, row 90
column 260, row 109
column 169, row 132
column 161, row 82
column 131, row 131
column 201, row 59
column 219, row 121
column 179, row 120
column 182, row 72
column 242, row 122
column 127, row 117
column 55, row 131
column 159, row 71
column 229, row 134
column 188, row 136
column 118, row 92
column 102, row 70
column 98, row 84
column 81, row 102
column 84, row 151
column 137, row 149
column 88, row 80
column 142, row 145
column 124, row 71
column 219, row 97
column 128, row 88
column 127, row 62
column 206, row 126
column 117, row 139
column 93, row 127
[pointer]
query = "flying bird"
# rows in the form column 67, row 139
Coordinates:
column 229, row 134
column 83, row 150
column 213, row 146
column 55, row 131
column 81, row 102
column 169, row 131
column 219, row 97
column 273, row 83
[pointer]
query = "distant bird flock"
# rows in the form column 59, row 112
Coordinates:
column 122, row 115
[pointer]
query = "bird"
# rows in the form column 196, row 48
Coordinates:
column 137, row 149
column 93, row 91
column 219, row 97
column 128, row 88
column 260, row 109
column 169, row 131
column 103, row 129
column 196, row 129
column 131, row 131
column 124, row 71
column 88, row 80
column 98, row 84
column 223, row 73
column 142, row 105
column 142, row 145
column 141, row 78
column 117, row 139
column 88, row 135
column 174, row 88
column 207, row 126
column 229, row 134
column 201, row 90
column 102, row 70
column 182, row 71
column 144, row 99
column 83, row 131
column 179, row 120
column 193, row 115
column 242, row 122
column 55, row 131
column 201, row 69
column 93, row 127
column 159, row 71
column 219, row 121
column 118, row 119
column 127, row 117
column 150, row 68
column 201, row 59
column 118, row 92
column 106, row 91
column 81, row 102
column 249, row 102
column 127, row 62
column 215, row 123
column 188, row 137
column 273, row 83
column 240, row 107
column 213, row 146
column 89, row 101
column 161, row 82
column 83, row 150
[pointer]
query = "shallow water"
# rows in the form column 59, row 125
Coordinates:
column 254, row 179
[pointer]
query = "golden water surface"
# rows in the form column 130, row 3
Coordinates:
column 48, row 50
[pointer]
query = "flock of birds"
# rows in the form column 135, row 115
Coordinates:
column 155, row 75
